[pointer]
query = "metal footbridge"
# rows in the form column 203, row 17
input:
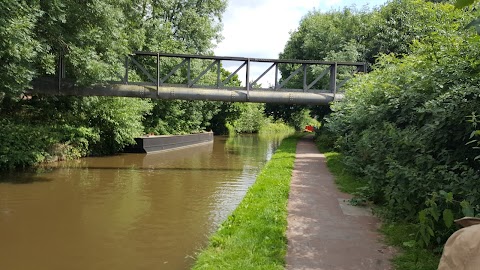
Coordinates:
column 189, row 77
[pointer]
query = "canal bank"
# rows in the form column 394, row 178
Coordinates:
column 253, row 236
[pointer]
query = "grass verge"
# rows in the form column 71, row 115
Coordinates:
column 254, row 235
column 345, row 181
column 400, row 235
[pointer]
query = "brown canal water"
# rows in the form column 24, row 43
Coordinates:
column 131, row 211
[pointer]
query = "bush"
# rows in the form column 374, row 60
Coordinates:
column 405, row 127
column 180, row 116
column 276, row 127
column 24, row 145
column 251, row 118
column 325, row 139
column 116, row 121
column 43, row 129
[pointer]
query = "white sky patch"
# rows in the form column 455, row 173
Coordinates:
column 261, row 28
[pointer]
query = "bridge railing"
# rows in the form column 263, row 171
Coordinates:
column 159, row 77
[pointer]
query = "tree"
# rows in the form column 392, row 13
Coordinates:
column 360, row 35
column 18, row 46
column 474, row 23
column 93, row 37
column 330, row 29
column 192, row 23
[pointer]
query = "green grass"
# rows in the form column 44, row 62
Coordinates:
column 346, row 181
column 275, row 128
column 254, row 235
column 400, row 235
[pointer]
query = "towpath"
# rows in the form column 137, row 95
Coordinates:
column 324, row 231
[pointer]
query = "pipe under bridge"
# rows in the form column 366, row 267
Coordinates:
column 181, row 76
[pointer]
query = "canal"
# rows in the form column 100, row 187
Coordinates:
column 130, row 211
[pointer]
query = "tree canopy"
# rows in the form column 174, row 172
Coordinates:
column 94, row 36
column 353, row 34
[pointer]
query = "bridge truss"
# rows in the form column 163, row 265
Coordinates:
column 183, row 76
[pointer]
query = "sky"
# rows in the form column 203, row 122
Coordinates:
column 261, row 28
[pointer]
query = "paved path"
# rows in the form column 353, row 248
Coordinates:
column 324, row 231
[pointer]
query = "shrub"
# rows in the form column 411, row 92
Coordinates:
column 405, row 128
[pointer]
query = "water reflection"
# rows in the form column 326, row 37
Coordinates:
column 131, row 211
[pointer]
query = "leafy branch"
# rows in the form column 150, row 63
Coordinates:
column 475, row 23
